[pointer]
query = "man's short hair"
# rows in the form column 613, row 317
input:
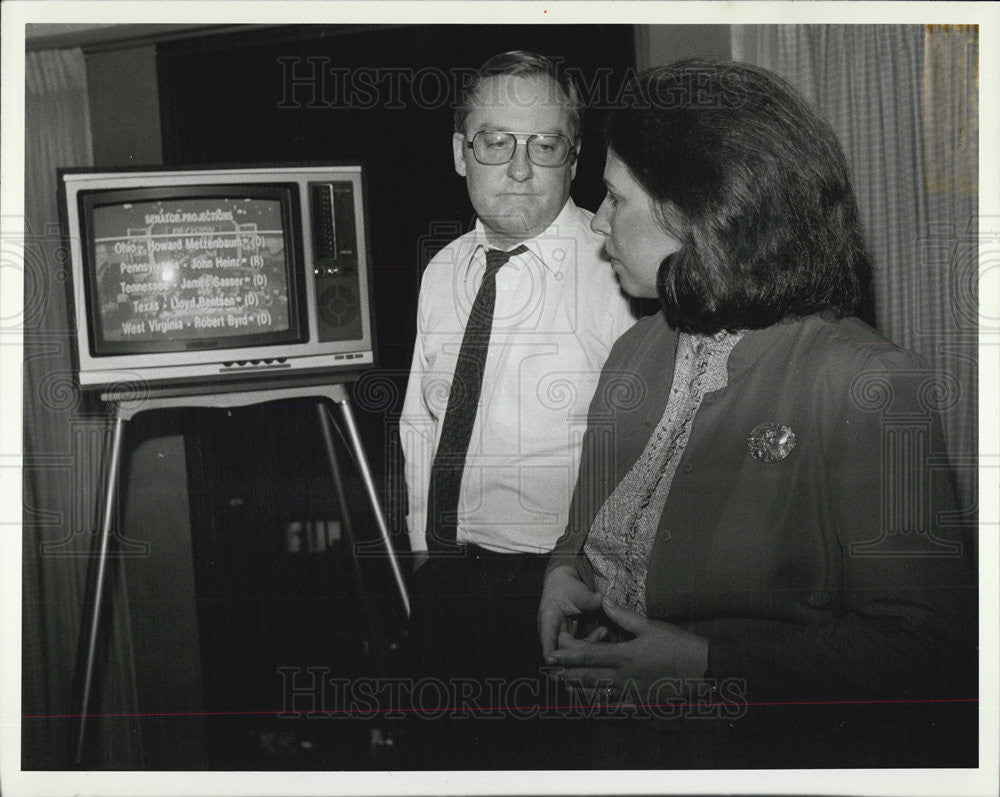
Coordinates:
column 522, row 63
column 754, row 184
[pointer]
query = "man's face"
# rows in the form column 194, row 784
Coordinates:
column 516, row 200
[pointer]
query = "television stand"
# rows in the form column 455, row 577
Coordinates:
column 245, row 395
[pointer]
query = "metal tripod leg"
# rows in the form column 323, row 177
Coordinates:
column 381, row 741
column 366, row 476
column 370, row 644
column 101, row 562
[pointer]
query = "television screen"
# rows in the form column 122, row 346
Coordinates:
column 195, row 275
column 190, row 272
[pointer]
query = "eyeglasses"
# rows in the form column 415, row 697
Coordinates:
column 494, row 147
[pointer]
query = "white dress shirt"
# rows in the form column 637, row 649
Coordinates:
column 559, row 309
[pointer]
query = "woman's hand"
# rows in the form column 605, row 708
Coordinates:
column 563, row 596
column 660, row 650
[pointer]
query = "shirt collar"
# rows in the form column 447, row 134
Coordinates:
column 550, row 247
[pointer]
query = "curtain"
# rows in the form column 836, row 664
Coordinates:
column 903, row 101
column 949, row 245
column 65, row 437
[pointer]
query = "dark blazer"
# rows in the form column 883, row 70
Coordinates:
column 840, row 572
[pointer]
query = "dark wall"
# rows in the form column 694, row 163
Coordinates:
column 661, row 44
column 124, row 106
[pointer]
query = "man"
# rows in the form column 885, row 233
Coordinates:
column 507, row 358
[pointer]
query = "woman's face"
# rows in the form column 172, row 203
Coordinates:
column 634, row 237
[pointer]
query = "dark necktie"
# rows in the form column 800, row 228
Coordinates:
column 460, row 415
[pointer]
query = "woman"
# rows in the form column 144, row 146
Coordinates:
column 758, row 510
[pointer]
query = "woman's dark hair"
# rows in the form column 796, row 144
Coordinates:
column 768, row 220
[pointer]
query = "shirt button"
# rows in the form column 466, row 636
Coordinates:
column 709, row 399
column 688, row 467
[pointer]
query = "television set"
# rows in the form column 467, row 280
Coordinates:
column 229, row 275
